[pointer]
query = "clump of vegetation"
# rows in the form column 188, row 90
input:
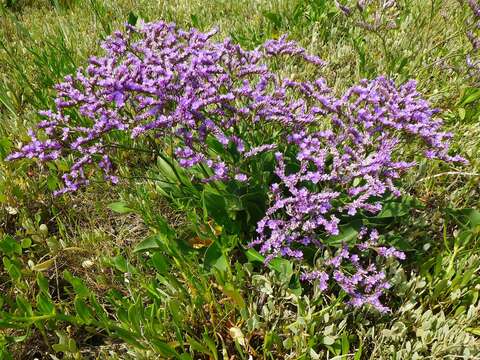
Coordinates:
column 217, row 149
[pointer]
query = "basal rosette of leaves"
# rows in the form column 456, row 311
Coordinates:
column 219, row 111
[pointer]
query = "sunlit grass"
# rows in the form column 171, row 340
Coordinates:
column 247, row 310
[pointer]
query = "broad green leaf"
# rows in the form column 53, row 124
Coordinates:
column 78, row 286
column 254, row 256
column 471, row 95
column 393, row 209
column 165, row 349
column 42, row 282
column 216, row 208
column 44, row 266
column 439, row 288
column 52, row 182
column 9, row 246
column 132, row 18
column 12, row 269
column 283, row 266
column 83, row 311
column 24, row 305
column 150, row 243
column 348, row 234
column 120, row 207
column 328, row 340
column 161, row 263
column 45, row 304
column 214, row 257
column 235, row 295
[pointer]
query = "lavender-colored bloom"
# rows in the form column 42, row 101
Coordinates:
column 241, row 177
column 321, row 276
column 260, row 149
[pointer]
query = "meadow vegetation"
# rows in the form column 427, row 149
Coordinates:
column 158, row 266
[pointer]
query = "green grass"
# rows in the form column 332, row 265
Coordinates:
column 138, row 306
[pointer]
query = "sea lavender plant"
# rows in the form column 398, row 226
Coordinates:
column 217, row 107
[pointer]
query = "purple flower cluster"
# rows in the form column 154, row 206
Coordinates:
column 350, row 268
column 345, row 169
column 218, row 106
column 372, row 15
column 163, row 82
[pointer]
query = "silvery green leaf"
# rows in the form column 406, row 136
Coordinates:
column 329, row 340
column 329, row 330
column 314, row 355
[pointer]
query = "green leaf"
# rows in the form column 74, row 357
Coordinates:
column 233, row 203
column 52, row 182
column 393, row 209
column 122, row 264
column 78, row 286
column 135, row 315
column 165, row 349
column 280, row 265
column 235, row 295
column 328, row 340
column 161, row 263
column 5, row 146
column 255, row 205
column 214, row 257
column 26, row 243
column 176, row 311
column 128, row 337
column 345, row 344
column 194, row 19
column 42, row 282
column 358, row 353
column 44, row 266
column 283, row 266
column 254, row 256
column 12, row 269
column 348, row 234
column 150, row 243
column 45, row 304
column 274, row 18
column 132, row 18
column 197, row 346
column 83, row 311
column 439, row 288
column 24, row 305
column 211, row 345
column 471, row 95
column 473, row 216
column 216, row 208
column 474, row 331
column 120, row 207
column 9, row 246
